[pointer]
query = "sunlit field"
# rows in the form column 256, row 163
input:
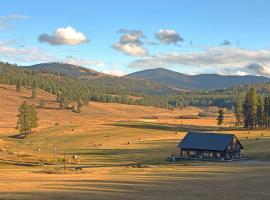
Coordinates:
column 121, row 153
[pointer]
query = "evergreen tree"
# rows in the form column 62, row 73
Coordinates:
column 63, row 100
column 250, row 109
column 33, row 116
column 58, row 96
column 27, row 118
column 41, row 104
column 79, row 106
column 34, row 94
column 220, row 118
column 260, row 113
column 18, row 85
column 238, row 111
column 34, row 85
column 266, row 111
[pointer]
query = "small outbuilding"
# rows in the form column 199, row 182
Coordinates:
column 196, row 145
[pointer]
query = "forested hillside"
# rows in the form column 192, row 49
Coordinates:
column 66, row 69
column 118, row 90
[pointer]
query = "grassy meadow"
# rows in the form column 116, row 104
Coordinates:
column 122, row 151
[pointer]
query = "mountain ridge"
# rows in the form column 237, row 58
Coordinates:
column 196, row 82
column 174, row 80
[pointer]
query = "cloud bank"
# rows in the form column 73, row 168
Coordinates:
column 250, row 61
column 32, row 54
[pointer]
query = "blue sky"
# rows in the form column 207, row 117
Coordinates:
column 118, row 37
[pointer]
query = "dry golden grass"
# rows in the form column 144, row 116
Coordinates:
column 226, row 181
column 106, row 150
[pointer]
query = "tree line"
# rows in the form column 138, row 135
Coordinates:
column 252, row 110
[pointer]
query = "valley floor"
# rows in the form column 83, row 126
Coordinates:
column 187, row 182
column 122, row 151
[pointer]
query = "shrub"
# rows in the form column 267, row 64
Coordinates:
column 190, row 116
column 207, row 114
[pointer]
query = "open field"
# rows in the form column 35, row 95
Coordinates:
column 223, row 181
column 109, row 139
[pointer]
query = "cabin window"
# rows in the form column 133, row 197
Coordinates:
column 184, row 153
column 218, row 154
column 205, row 154
column 211, row 155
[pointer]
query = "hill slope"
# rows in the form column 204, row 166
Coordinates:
column 102, row 81
column 67, row 69
column 202, row 81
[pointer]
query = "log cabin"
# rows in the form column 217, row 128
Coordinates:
column 212, row 146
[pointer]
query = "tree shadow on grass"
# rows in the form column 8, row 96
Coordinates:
column 18, row 136
column 166, row 127
column 50, row 108
column 172, row 185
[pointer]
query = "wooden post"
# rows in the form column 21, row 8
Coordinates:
column 65, row 159
column 54, row 157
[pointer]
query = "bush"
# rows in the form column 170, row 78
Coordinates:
column 190, row 116
column 214, row 109
column 150, row 117
column 207, row 114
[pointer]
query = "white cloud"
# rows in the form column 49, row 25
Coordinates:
column 114, row 72
column 131, row 36
column 131, row 49
column 5, row 20
column 14, row 16
column 221, row 57
column 259, row 69
column 61, row 36
column 241, row 73
column 82, row 62
column 168, row 36
column 31, row 54
column 130, row 43
column 23, row 54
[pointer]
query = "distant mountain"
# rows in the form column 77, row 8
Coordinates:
column 103, row 81
column 200, row 82
column 67, row 70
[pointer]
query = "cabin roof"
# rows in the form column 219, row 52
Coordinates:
column 206, row 141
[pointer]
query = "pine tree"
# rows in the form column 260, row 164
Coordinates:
column 250, row 109
column 33, row 116
column 260, row 112
column 58, row 96
column 79, row 106
column 63, row 100
column 220, row 118
column 34, row 94
column 238, row 111
column 18, row 85
column 27, row 118
column 34, row 85
column 41, row 103
column 23, row 123
column 266, row 111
